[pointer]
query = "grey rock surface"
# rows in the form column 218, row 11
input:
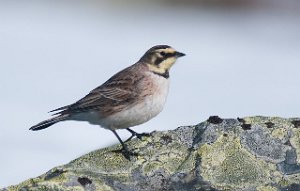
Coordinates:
column 248, row 154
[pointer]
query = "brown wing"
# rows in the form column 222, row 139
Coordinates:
column 114, row 95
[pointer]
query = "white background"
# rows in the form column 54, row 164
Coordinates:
column 240, row 61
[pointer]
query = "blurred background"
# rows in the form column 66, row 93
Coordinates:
column 243, row 58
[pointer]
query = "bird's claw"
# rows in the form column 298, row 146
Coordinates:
column 138, row 135
column 141, row 135
column 126, row 153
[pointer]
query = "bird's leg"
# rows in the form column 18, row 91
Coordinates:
column 126, row 153
column 138, row 135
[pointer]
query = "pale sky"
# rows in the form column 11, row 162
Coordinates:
column 239, row 62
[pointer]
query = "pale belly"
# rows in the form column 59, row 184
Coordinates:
column 137, row 114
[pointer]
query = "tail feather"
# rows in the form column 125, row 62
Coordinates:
column 47, row 123
column 61, row 108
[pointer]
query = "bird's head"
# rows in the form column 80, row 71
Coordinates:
column 161, row 58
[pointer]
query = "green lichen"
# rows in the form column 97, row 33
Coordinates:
column 280, row 133
column 262, row 121
column 292, row 179
column 106, row 161
column 266, row 188
column 227, row 165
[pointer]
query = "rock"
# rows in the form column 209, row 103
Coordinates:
column 249, row 154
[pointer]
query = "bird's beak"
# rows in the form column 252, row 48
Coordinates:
column 179, row 54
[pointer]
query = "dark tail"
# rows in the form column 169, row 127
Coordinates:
column 47, row 123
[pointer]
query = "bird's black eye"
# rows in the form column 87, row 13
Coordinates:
column 163, row 53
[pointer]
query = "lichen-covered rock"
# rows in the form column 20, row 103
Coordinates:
column 249, row 154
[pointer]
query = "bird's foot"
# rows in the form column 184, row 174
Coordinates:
column 141, row 135
column 126, row 152
column 138, row 135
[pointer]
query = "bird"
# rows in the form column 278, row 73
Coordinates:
column 129, row 98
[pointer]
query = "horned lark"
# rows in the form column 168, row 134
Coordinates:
column 129, row 98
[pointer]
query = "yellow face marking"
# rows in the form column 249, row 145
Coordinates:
column 163, row 66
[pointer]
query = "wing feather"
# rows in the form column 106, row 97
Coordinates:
column 114, row 95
